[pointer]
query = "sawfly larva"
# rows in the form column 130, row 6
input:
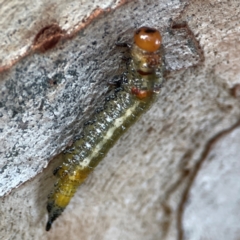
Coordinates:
column 138, row 89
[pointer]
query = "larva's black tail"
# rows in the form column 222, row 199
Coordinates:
column 53, row 213
column 49, row 225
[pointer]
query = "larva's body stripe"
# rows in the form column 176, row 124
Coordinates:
column 109, row 134
column 120, row 110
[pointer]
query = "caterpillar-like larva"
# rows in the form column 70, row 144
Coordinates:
column 143, row 79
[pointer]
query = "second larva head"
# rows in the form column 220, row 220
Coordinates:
column 148, row 39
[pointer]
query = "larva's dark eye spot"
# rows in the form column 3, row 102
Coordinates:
column 148, row 39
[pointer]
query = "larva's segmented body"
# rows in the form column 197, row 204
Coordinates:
column 120, row 110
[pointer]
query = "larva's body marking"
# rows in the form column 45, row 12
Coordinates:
column 120, row 110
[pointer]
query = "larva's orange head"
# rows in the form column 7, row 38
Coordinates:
column 148, row 39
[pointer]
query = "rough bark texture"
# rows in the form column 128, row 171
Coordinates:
column 175, row 174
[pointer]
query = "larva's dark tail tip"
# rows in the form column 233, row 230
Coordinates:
column 48, row 226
